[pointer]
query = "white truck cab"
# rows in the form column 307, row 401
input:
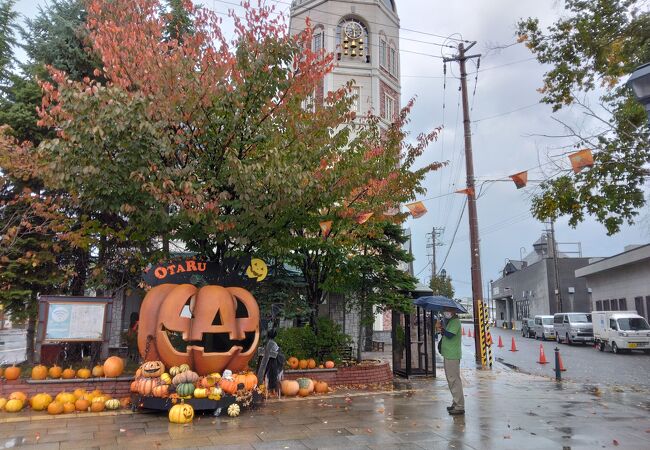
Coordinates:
column 621, row 331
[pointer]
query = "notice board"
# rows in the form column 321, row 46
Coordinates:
column 64, row 318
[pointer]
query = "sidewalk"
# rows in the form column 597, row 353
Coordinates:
column 505, row 410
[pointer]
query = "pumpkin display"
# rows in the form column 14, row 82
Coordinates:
column 3, row 402
column 14, row 405
column 228, row 385
column 18, row 395
column 185, row 377
column 95, row 393
column 125, row 402
column 97, row 407
column 101, row 398
column 39, row 372
column 146, row 385
column 68, row 373
column 55, row 372
column 112, row 404
column 65, row 397
column 84, row 373
column 181, row 413
column 249, row 380
column 174, row 370
column 302, row 364
column 113, row 367
column 82, row 405
column 166, row 378
column 306, row 386
column 79, row 392
column 321, row 387
column 162, row 390
column 185, row 389
column 183, row 368
column 234, row 410
column 39, row 402
column 55, row 408
column 293, row 362
column 311, row 363
column 329, row 364
column 200, row 393
column 215, row 393
column 232, row 340
column 98, row 371
column 12, row 373
column 207, row 382
column 289, row 388
column 134, row 386
column 68, row 408
column 152, row 369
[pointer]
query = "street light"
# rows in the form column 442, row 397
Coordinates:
column 639, row 82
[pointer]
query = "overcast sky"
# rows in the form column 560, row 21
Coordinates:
column 507, row 124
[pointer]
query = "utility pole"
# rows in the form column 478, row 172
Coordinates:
column 435, row 233
column 477, row 283
column 558, row 293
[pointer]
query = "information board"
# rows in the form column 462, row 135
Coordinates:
column 68, row 321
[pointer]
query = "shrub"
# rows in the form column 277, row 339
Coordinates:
column 303, row 343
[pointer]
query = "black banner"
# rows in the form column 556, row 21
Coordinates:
column 232, row 272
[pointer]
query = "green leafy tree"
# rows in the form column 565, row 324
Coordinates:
column 8, row 31
column 441, row 285
column 593, row 48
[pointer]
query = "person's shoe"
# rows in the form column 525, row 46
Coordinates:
column 449, row 408
column 456, row 412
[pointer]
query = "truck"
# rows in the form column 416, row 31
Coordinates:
column 620, row 331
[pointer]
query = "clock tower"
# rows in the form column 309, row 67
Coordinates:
column 364, row 37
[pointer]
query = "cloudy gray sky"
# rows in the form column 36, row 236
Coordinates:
column 507, row 126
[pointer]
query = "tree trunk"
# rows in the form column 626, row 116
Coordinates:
column 360, row 335
column 369, row 325
column 78, row 284
column 30, row 338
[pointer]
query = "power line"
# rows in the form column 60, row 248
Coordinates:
column 453, row 238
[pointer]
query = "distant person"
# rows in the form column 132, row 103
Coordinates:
column 450, row 349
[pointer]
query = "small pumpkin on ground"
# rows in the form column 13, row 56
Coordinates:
column 14, row 405
column 39, row 402
column 79, row 392
column 98, row 371
column 181, row 413
column 68, row 408
column 84, row 373
column 234, row 410
column 65, row 397
column 12, row 373
column 321, row 387
column 55, row 372
column 289, row 388
column 97, row 406
column 3, row 402
column 82, row 405
column 55, row 408
column 18, row 395
column 125, row 402
column 152, row 369
column 293, row 362
column 68, row 373
column 39, row 372
column 305, row 386
column 112, row 404
column 113, row 367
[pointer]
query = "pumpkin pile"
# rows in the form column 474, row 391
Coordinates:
column 303, row 387
column 64, row 402
column 305, row 364
column 113, row 367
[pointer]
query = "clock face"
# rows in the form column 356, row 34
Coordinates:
column 353, row 30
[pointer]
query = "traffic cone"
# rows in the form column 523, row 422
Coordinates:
column 501, row 342
column 513, row 346
column 542, row 356
column 463, row 331
column 562, row 369
column 469, row 333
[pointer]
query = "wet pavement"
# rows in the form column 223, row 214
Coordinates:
column 504, row 410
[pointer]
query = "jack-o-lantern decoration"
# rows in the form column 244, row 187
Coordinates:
column 152, row 369
column 218, row 330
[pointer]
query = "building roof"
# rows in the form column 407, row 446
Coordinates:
column 633, row 256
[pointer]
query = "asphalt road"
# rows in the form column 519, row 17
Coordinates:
column 12, row 346
column 583, row 363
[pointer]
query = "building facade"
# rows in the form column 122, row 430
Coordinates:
column 620, row 282
column 364, row 37
column 528, row 288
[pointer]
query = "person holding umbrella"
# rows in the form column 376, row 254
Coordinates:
column 450, row 349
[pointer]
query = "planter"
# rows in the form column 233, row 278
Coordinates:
column 352, row 375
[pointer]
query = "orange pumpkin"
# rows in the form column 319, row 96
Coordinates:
column 68, row 408
column 83, row 373
column 249, row 380
column 82, row 405
column 311, row 364
column 68, row 373
column 98, row 371
column 161, row 390
column 293, row 362
column 113, row 367
column 152, row 369
column 289, row 388
column 134, row 386
column 125, row 402
column 321, row 387
column 228, row 385
column 146, row 385
column 55, row 371
column 55, row 408
column 329, row 364
column 79, row 392
column 302, row 365
column 97, row 406
column 2, row 371
column 160, row 314
column 12, row 373
column 39, row 372
column 18, row 395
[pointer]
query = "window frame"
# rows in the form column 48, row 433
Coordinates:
column 383, row 52
column 389, row 99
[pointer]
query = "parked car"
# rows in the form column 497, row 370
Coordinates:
column 622, row 331
column 573, row 327
column 543, row 327
column 527, row 328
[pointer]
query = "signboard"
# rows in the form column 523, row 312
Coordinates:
column 75, row 321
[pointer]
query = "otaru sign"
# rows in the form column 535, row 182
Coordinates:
column 161, row 272
column 231, row 272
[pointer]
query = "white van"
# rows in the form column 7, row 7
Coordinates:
column 543, row 327
column 621, row 331
column 572, row 327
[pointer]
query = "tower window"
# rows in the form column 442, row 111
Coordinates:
column 317, row 40
column 389, row 108
column 392, row 61
column 382, row 52
column 355, row 94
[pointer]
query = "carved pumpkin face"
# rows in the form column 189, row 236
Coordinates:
column 211, row 329
column 152, row 369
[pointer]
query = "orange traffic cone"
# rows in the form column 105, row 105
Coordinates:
column 463, row 333
column 542, row 356
column 513, row 346
column 469, row 333
column 501, row 342
column 562, row 369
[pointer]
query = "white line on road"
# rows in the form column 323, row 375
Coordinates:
column 13, row 349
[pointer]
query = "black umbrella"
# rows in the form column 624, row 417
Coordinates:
column 438, row 303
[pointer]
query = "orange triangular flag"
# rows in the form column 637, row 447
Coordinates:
column 520, row 179
column 326, row 227
column 581, row 159
column 465, row 191
column 363, row 218
column 417, row 209
column 391, row 212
